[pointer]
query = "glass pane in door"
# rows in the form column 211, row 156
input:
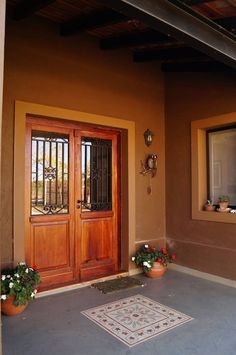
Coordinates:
column 50, row 173
column 96, row 174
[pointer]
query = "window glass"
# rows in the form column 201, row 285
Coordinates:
column 96, row 174
column 222, row 164
column 50, row 173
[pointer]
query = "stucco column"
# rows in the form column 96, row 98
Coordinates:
column 2, row 42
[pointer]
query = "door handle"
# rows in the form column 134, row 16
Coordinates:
column 78, row 204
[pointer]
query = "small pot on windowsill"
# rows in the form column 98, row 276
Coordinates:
column 224, row 205
column 209, row 208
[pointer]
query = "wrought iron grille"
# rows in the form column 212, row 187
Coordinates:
column 50, row 173
column 96, row 174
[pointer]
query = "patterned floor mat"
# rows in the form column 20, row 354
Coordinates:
column 135, row 319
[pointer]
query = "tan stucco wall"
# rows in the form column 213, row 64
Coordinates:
column 72, row 73
column 203, row 245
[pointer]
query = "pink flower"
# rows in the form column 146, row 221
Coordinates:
column 173, row 256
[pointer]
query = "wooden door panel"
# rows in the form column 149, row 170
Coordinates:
column 97, row 212
column 51, row 242
column 49, row 195
column 96, row 240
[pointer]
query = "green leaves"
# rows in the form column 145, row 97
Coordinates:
column 147, row 255
column 20, row 282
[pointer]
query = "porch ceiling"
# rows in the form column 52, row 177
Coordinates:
column 184, row 35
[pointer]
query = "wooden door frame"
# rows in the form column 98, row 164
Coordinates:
column 22, row 109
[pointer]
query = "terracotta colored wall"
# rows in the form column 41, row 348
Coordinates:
column 73, row 73
column 206, row 246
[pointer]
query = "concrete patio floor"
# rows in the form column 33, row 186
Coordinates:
column 53, row 325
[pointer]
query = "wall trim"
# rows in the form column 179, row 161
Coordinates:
column 21, row 110
column 203, row 275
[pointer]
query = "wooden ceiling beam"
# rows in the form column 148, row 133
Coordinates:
column 134, row 39
column 197, row 67
column 181, row 23
column 164, row 54
column 26, row 8
column 90, row 22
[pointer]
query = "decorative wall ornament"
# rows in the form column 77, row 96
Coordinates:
column 149, row 166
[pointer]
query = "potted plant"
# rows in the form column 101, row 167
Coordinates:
column 209, row 206
column 153, row 261
column 223, row 202
column 18, row 287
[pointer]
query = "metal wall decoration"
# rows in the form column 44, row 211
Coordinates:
column 149, row 166
column 50, row 173
column 96, row 174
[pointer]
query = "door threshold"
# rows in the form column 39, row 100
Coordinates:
column 77, row 286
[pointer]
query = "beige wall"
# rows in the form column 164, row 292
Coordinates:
column 203, row 245
column 42, row 67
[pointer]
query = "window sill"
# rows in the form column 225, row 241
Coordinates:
column 214, row 216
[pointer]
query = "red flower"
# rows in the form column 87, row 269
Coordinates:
column 164, row 251
column 173, row 256
column 159, row 260
column 34, row 267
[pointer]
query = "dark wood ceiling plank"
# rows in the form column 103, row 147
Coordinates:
column 183, row 25
column 197, row 67
column 26, row 8
column 91, row 21
column 229, row 23
column 166, row 54
column 134, row 39
column 195, row 2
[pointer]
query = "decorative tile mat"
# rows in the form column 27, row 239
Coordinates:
column 135, row 319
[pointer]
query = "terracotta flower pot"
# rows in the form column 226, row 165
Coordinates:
column 9, row 309
column 157, row 270
column 210, row 208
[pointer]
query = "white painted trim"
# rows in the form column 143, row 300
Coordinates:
column 203, row 275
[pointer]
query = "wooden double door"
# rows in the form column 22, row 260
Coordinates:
column 72, row 205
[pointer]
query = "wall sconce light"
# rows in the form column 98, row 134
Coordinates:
column 148, row 136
